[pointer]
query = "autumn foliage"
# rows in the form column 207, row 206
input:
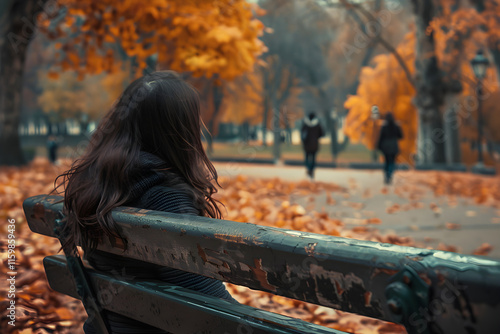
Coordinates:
column 459, row 31
column 243, row 100
column 197, row 36
column 386, row 86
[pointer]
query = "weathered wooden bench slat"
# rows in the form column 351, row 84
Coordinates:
column 350, row 275
column 176, row 309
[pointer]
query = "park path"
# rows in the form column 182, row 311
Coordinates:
column 434, row 221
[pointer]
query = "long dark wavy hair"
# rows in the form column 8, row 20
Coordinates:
column 159, row 114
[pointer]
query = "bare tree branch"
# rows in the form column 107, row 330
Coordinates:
column 356, row 8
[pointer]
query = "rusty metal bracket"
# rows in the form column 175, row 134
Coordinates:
column 407, row 294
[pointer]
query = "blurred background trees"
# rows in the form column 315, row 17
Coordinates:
column 201, row 38
column 260, row 67
column 438, row 103
column 17, row 29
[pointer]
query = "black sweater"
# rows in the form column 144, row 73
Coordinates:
column 149, row 192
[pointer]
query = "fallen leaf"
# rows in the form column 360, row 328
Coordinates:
column 374, row 221
column 453, row 226
column 484, row 249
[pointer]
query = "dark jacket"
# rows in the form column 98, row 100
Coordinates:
column 310, row 134
column 388, row 139
column 150, row 193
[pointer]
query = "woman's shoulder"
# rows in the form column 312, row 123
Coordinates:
column 168, row 199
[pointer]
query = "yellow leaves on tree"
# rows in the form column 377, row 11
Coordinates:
column 469, row 29
column 243, row 101
column 458, row 34
column 385, row 85
column 477, row 23
column 198, row 36
column 468, row 104
column 61, row 98
column 217, row 37
column 457, row 39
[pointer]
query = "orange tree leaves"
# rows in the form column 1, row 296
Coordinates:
column 243, row 99
column 468, row 29
column 458, row 33
column 197, row 36
column 385, row 85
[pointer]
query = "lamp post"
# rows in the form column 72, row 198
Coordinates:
column 334, row 135
column 479, row 64
column 375, row 116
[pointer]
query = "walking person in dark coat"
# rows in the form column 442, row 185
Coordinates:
column 52, row 147
column 310, row 133
column 388, row 143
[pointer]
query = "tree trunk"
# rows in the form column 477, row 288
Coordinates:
column 430, row 90
column 210, row 146
column 17, row 25
column 438, row 138
column 496, row 58
column 264, row 120
column 493, row 48
column 331, row 124
column 277, row 134
column 451, row 134
column 217, row 98
column 245, row 131
column 288, row 136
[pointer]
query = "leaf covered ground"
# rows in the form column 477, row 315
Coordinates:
column 271, row 202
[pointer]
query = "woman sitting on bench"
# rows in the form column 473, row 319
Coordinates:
column 146, row 153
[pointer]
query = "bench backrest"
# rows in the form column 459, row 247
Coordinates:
column 426, row 290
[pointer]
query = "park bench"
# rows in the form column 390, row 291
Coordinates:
column 427, row 291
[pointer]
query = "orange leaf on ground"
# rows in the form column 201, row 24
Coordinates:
column 453, row 226
column 484, row 249
column 374, row 221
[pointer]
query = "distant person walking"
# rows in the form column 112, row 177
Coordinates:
column 388, row 143
column 52, row 146
column 310, row 133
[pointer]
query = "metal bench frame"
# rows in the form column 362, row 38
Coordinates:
column 427, row 291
